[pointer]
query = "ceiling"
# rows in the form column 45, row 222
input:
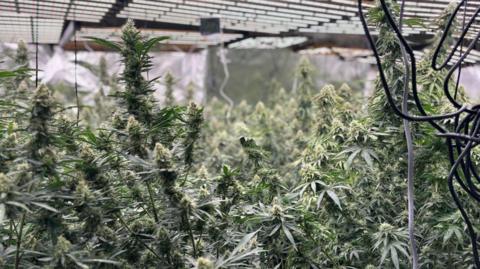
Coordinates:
column 245, row 23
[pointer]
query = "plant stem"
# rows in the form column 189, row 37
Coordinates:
column 190, row 234
column 10, row 232
column 150, row 194
column 124, row 224
column 19, row 241
column 187, row 170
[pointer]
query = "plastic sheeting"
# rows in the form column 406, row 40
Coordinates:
column 58, row 66
column 252, row 72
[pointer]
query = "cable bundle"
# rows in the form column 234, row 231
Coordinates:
column 465, row 133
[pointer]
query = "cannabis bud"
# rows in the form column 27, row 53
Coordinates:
column 164, row 242
column 42, row 96
column 327, row 97
column 305, row 68
column 204, row 263
column 82, row 190
column 385, row 227
column 129, row 27
column 5, row 183
column 243, row 107
column 190, row 92
column 62, row 247
column 260, row 108
column 345, row 91
column 169, row 84
column 22, row 87
column 86, row 153
column 21, row 58
column 11, row 140
column 133, row 126
column 276, row 208
column 117, row 121
column 162, row 156
column 203, row 172
column 194, row 121
column 147, row 258
column 187, row 202
column 204, row 192
column 143, row 225
column 130, row 177
column 194, row 114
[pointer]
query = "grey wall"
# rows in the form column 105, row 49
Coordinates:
column 253, row 72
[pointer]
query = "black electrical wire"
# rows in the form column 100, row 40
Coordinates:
column 445, row 35
column 387, row 90
column 459, row 74
column 465, row 129
column 36, row 44
column 449, row 75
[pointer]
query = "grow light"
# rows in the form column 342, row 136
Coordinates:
column 15, row 27
column 176, row 37
column 79, row 10
column 250, row 15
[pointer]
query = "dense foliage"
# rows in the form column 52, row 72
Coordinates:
column 309, row 179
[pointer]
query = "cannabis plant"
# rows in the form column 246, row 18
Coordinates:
column 309, row 179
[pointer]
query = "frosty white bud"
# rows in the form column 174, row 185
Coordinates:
column 162, row 155
column 204, row 263
column 5, row 183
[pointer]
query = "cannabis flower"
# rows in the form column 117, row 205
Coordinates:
column 133, row 126
column 204, row 263
column 276, row 208
column 82, row 190
column 5, row 183
column 162, row 156
column 62, row 247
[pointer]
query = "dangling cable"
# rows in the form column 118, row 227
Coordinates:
column 410, row 152
column 383, row 79
column 36, row 43
column 461, row 51
column 466, row 120
column 75, row 60
column 223, row 59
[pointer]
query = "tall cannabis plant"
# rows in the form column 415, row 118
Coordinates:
column 169, row 82
column 306, row 180
column 304, row 91
column 134, row 48
column 17, row 84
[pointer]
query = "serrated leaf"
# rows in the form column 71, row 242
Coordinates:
column 102, row 261
column 394, row 256
column 351, row 158
column 368, row 159
column 412, row 22
column 289, row 235
column 44, row 206
column 334, row 197
column 17, row 204
column 243, row 242
column 105, row 43
column 447, row 235
column 153, row 41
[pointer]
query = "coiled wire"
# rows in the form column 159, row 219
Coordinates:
column 466, row 120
